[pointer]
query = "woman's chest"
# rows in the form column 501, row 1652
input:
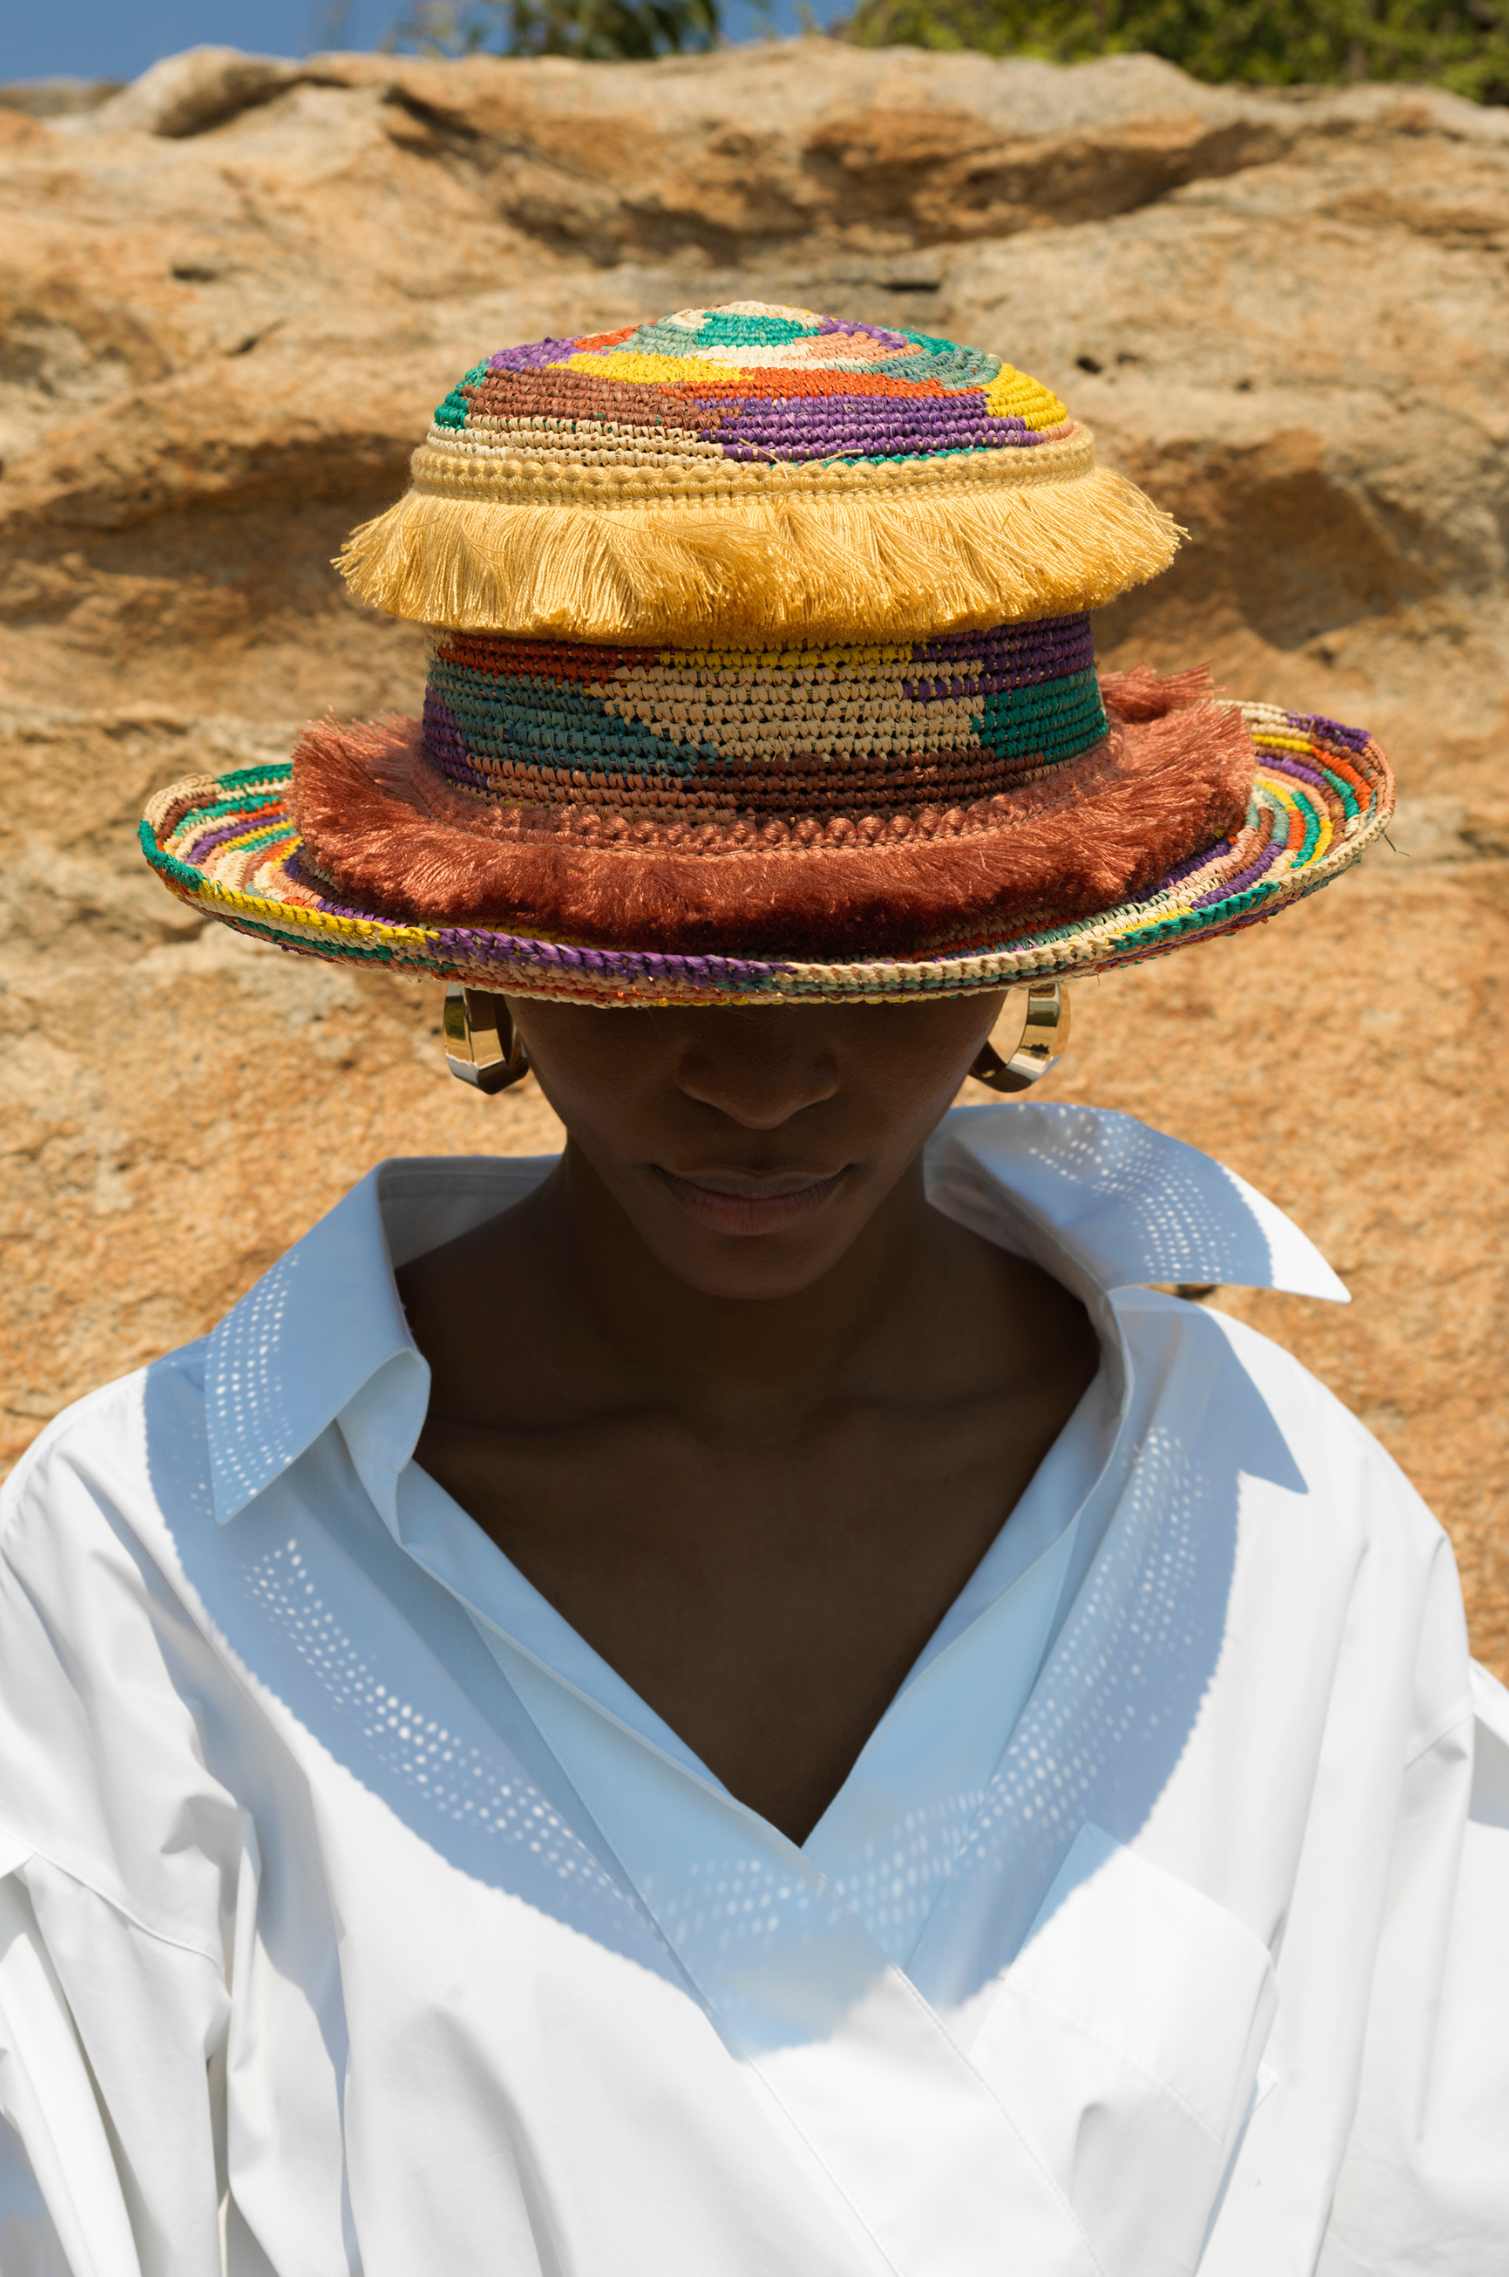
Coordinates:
column 610, row 2029
column 766, row 1603
column 518, row 1932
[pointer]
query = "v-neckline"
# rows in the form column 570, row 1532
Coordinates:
column 503, row 1602
column 813, row 1977
column 499, row 1596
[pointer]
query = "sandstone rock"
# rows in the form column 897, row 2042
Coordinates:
column 192, row 92
column 229, row 295
column 17, row 129
column 56, row 98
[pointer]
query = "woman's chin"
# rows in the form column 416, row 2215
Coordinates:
column 741, row 1246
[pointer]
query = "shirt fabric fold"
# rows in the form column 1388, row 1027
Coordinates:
column 357, row 1916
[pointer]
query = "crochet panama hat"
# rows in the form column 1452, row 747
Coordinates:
column 762, row 670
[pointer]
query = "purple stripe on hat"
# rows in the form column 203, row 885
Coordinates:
column 298, row 872
column 348, row 909
column 441, row 726
column 853, row 426
column 461, row 941
column 971, row 684
column 988, row 670
column 464, row 774
column 1243, row 878
column 208, row 840
column 967, row 678
column 1186, row 868
column 531, row 355
column 445, row 744
column 1023, row 633
column 856, row 330
column 1285, row 763
column 1060, row 644
column 1316, row 723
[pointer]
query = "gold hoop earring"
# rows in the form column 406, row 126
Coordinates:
column 1040, row 1041
column 482, row 1045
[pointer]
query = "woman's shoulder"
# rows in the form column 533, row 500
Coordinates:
column 104, row 1657
column 1254, row 1405
column 97, row 1519
column 1334, row 1548
column 100, row 1452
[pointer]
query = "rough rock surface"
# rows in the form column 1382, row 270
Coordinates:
column 229, row 295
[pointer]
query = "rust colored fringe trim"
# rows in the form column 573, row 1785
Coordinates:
column 1174, row 777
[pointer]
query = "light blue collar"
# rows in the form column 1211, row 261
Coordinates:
column 1097, row 1197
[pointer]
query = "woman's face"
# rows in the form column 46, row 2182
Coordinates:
column 750, row 1145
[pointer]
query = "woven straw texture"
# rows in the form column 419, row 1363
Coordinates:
column 226, row 844
column 753, row 471
column 876, row 761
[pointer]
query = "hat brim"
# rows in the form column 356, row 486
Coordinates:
column 1320, row 794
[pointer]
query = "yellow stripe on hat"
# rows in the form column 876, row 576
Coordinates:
column 1014, row 395
column 633, row 364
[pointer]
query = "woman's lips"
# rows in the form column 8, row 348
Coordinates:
column 741, row 1202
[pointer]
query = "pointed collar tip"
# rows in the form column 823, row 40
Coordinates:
column 1130, row 1204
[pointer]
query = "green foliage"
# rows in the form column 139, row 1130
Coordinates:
column 597, row 30
column 1459, row 44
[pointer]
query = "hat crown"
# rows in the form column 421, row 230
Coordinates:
column 751, row 382
column 753, row 473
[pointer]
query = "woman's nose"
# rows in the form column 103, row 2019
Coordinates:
column 756, row 1067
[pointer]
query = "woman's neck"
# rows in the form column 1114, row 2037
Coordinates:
column 728, row 1357
column 918, row 1315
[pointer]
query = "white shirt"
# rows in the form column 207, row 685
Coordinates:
column 355, row 1916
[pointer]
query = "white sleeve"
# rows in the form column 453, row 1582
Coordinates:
column 112, row 2127
column 1424, row 2186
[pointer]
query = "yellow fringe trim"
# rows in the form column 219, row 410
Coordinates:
column 810, row 561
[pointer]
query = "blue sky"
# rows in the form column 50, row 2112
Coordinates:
column 113, row 39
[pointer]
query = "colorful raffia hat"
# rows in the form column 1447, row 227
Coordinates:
column 762, row 671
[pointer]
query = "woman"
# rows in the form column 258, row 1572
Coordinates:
column 755, row 1698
